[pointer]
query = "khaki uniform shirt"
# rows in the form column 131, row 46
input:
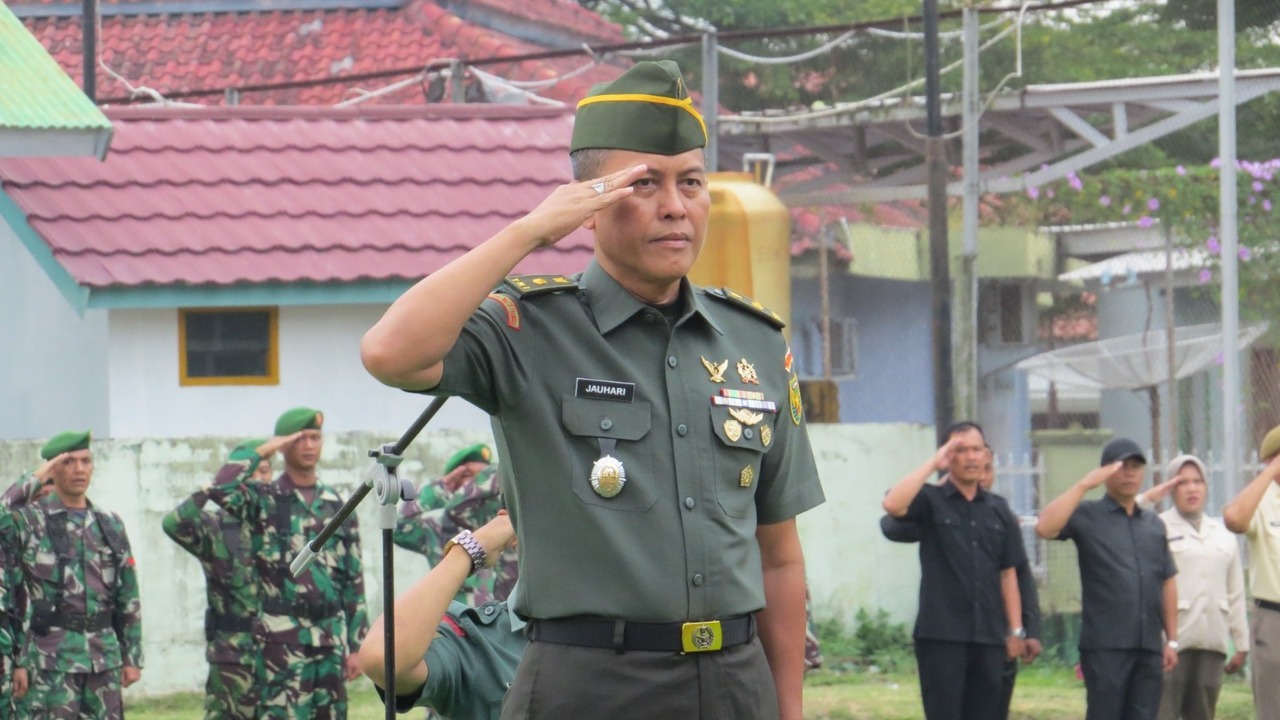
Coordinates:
column 1210, row 584
column 1264, row 547
column 590, row 371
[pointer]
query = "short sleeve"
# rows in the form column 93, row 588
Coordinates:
column 1014, row 553
column 1074, row 524
column 920, row 508
column 484, row 366
column 899, row 530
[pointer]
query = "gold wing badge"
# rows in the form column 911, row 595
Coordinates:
column 745, row 416
column 715, row 369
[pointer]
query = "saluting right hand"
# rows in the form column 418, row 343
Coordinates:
column 1100, row 475
column 569, row 206
column 19, row 683
column 942, row 458
column 42, row 472
column 269, row 448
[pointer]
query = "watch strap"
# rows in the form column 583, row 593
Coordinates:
column 468, row 542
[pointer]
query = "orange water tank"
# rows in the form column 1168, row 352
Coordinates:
column 748, row 245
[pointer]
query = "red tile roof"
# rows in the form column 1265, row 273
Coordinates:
column 216, row 196
column 207, row 51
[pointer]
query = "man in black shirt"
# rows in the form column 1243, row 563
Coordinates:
column 1129, row 591
column 970, row 616
column 905, row 531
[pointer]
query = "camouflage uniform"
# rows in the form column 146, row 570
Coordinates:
column 222, row 545
column 309, row 623
column 436, row 515
column 12, row 592
column 83, row 617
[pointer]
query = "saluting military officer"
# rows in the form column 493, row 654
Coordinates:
column 84, row 639
column 312, row 624
column 654, row 448
column 464, row 498
column 224, row 548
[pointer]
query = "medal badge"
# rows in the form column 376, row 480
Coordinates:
column 608, row 476
column 766, row 435
column 797, row 410
column 746, row 476
column 716, row 370
column 745, row 416
column 732, row 429
column 747, row 372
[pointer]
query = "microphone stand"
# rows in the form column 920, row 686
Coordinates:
column 389, row 490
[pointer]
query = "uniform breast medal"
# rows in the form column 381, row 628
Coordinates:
column 607, row 474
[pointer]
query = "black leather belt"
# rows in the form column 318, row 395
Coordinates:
column 623, row 636
column 1268, row 605
column 302, row 610
column 78, row 622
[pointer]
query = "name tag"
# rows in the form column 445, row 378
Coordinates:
column 605, row 390
column 1175, row 537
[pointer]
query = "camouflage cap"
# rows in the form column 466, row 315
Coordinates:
column 299, row 418
column 472, row 453
column 65, row 442
column 1270, row 444
column 246, row 450
column 646, row 109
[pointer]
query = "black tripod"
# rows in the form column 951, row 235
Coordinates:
column 389, row 491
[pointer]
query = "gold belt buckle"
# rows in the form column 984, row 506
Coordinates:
column 705, row 636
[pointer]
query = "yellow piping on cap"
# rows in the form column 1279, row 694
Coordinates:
column 685, row 104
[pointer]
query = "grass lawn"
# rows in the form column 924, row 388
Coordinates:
column 1041, row 694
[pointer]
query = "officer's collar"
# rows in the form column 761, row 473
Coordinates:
column 612, row 305
column 54, row 501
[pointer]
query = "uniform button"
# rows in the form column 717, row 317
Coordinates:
column 749, row 433
column 689, row 503
column 682, row 429
column 697, row 579
column 488, row 610
column 649, row 318
column 605, row 424
column 671, row 360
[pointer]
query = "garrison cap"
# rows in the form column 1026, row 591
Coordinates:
column 1270, row 444
column 247, row 450
column 1122, row 449
column 473, row 453
column 299, row 418
column 65, row 442
column 646, row 109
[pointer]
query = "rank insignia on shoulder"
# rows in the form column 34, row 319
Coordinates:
column 509, row 307
column 528, row 285
column 742, row 301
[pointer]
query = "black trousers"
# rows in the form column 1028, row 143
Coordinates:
column 1122, row 684
column 1007, row 681
column 563, row 682
column 961, row 681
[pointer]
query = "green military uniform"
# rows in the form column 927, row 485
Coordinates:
column 224, row 548
column 427, row 522
column 10, row 613
column 84, row 614
column 310, row 623
column 470, row 663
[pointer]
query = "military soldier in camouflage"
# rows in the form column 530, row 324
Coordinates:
column 312, row 624
column 10, row 616
column 223, row 546
column 84, row 619
column 463, row 499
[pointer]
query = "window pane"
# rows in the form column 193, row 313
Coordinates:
column 228, row 344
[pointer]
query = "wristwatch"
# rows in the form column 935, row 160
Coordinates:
column 473, row 547
column 1020, row 633
column 1173, row 645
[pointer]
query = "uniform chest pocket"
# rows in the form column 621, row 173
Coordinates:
column 587, row 421
column 744, row 438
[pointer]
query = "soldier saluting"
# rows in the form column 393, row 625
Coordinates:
column 85, row 620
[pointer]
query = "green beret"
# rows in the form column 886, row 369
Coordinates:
column 645, row 110
column 247, row 450
column 65, row 442
column 474, row 453
column 1270, row 444
column 299, row 418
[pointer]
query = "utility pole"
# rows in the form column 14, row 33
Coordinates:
column 939, row 256
column 89, row 30
column 966, row 310
column 1228, row 210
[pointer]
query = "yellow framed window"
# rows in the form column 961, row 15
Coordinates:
column 228, row 346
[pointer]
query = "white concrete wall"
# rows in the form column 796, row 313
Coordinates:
column 848, row 562
column 319, row 367
column 53, row 377
column 850, row 565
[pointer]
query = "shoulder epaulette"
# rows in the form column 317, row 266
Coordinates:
column 529, row 285
column 742, row 301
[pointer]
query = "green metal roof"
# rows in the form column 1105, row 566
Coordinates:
column 38, row 99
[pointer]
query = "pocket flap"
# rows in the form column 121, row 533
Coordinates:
column 604, row 418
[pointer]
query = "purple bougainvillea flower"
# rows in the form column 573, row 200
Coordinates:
column 1245, row 253
column 1257, row 186
column 1205, row 275
column 1146, row 221
column 1105, row 201
column 1033, row 192
column 1213, row 245
column 1153, row 204
column 1126, row 209
column 1266, row 205
column 1180, row 170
